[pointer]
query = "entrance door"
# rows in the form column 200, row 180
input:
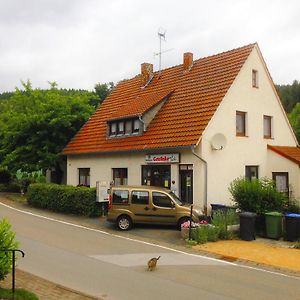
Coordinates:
column 186, row 183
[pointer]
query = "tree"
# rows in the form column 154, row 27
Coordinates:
column 103, row 90
column 35, row 125
column 7, row 241
column 294, row 118
column 289, row 95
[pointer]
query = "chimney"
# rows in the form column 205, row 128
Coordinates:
column 187, row 61
column 146, row 72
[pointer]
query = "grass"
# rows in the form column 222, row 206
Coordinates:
column 17, row 198
column 297, row 245
column 20, row 294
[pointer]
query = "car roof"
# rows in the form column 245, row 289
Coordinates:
column 141, row 187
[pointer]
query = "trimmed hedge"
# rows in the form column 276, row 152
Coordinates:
column 64, row 199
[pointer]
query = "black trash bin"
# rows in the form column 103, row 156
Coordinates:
column 292, row 227
column 247, row 226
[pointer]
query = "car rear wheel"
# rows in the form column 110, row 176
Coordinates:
column 124, row 222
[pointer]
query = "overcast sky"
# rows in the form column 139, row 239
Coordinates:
column 78, row 43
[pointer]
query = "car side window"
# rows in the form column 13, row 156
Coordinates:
column 140, row 197
column 162, row 200
column 120, row 197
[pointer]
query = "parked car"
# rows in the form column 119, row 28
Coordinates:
column 129, row 205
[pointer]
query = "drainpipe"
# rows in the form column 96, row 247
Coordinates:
column 144, row 125
column 205, row 178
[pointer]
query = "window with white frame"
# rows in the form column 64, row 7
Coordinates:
column 268, row 134
column 240, row 123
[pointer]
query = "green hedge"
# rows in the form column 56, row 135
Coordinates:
column 64, row 199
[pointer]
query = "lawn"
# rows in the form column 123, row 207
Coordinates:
column 20, row 294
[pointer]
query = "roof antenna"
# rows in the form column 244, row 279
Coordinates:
column 162, row 36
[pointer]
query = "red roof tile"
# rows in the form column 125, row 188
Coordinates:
column 196, row 95
column 291, row 153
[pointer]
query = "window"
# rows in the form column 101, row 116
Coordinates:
column 281, row 181
column 136, row 126
column 121, row 127
column 255, row 78
column 124, row 127
column 128, row 127
column 140, row 197
column 120, row 197
column 162, row 200
column 113, row 129
column 267, row 127
column 240, row 123
column 120, row 176
column 251, row 172
column 84, row 176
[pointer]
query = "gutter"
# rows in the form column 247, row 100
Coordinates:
column 205, row 177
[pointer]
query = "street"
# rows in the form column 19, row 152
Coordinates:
column 113, row 267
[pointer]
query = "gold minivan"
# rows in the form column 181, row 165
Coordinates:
column 129, row 205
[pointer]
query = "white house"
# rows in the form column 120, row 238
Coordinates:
column 193, row 128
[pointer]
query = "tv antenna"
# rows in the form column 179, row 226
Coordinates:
column 162, row 36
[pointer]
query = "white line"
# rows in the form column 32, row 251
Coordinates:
column 147, row 243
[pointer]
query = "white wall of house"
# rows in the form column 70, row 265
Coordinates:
column 229, row 163
column 101, row 166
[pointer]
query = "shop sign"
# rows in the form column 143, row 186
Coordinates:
column 162, row 158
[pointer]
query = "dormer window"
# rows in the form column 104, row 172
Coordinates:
column 120, row 128
column 124, row 127
column 136, row 126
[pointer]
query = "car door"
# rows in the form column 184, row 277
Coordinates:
column 140, row 206
column 163, row 208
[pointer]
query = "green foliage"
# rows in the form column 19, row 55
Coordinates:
column 24, row 179
column 294, row 118
column 221, row 219
column 289, row 95
column 297, row 245
column 20, row 294
column 257, row 195
column 35, row 125
column 205, row 233
column 64, row 199
column 103, row 90
column 5, row 176
column 7, row 241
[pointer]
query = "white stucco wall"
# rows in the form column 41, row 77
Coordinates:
column 101, row 169
column 229, row 163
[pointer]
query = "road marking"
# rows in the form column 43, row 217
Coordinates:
column 150, row 244
column 166, row 259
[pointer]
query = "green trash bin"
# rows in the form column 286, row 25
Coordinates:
column 273, row 225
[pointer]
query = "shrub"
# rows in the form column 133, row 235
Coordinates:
column 64, row 199
column 205, row 233
column 7, row 241
column 24, row 179
column 221, row 220
column 11, row 187
column 257, row 195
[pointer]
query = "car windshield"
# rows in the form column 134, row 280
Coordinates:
column 175, row 198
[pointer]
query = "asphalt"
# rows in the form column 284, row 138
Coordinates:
column 267, row 254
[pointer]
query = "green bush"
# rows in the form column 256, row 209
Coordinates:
column 257, row 195
column 222, row 219
column 205, row 233
column 7, row 241
column 20, row 294
column 64, row 199
column 10, row 187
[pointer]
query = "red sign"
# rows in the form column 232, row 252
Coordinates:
column 162, row 158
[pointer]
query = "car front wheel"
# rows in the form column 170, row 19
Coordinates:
column 124, row 222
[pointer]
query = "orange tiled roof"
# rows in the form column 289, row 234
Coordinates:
column 196, row 95
column 140, row 105
column 291, row 153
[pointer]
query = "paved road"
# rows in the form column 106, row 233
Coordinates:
column 113, row 267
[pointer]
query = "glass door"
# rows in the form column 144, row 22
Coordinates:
column 186, row 183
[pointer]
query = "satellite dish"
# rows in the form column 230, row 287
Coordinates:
column 218, row 141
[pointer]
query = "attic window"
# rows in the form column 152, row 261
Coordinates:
column 124, row 127
column 255, row 78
